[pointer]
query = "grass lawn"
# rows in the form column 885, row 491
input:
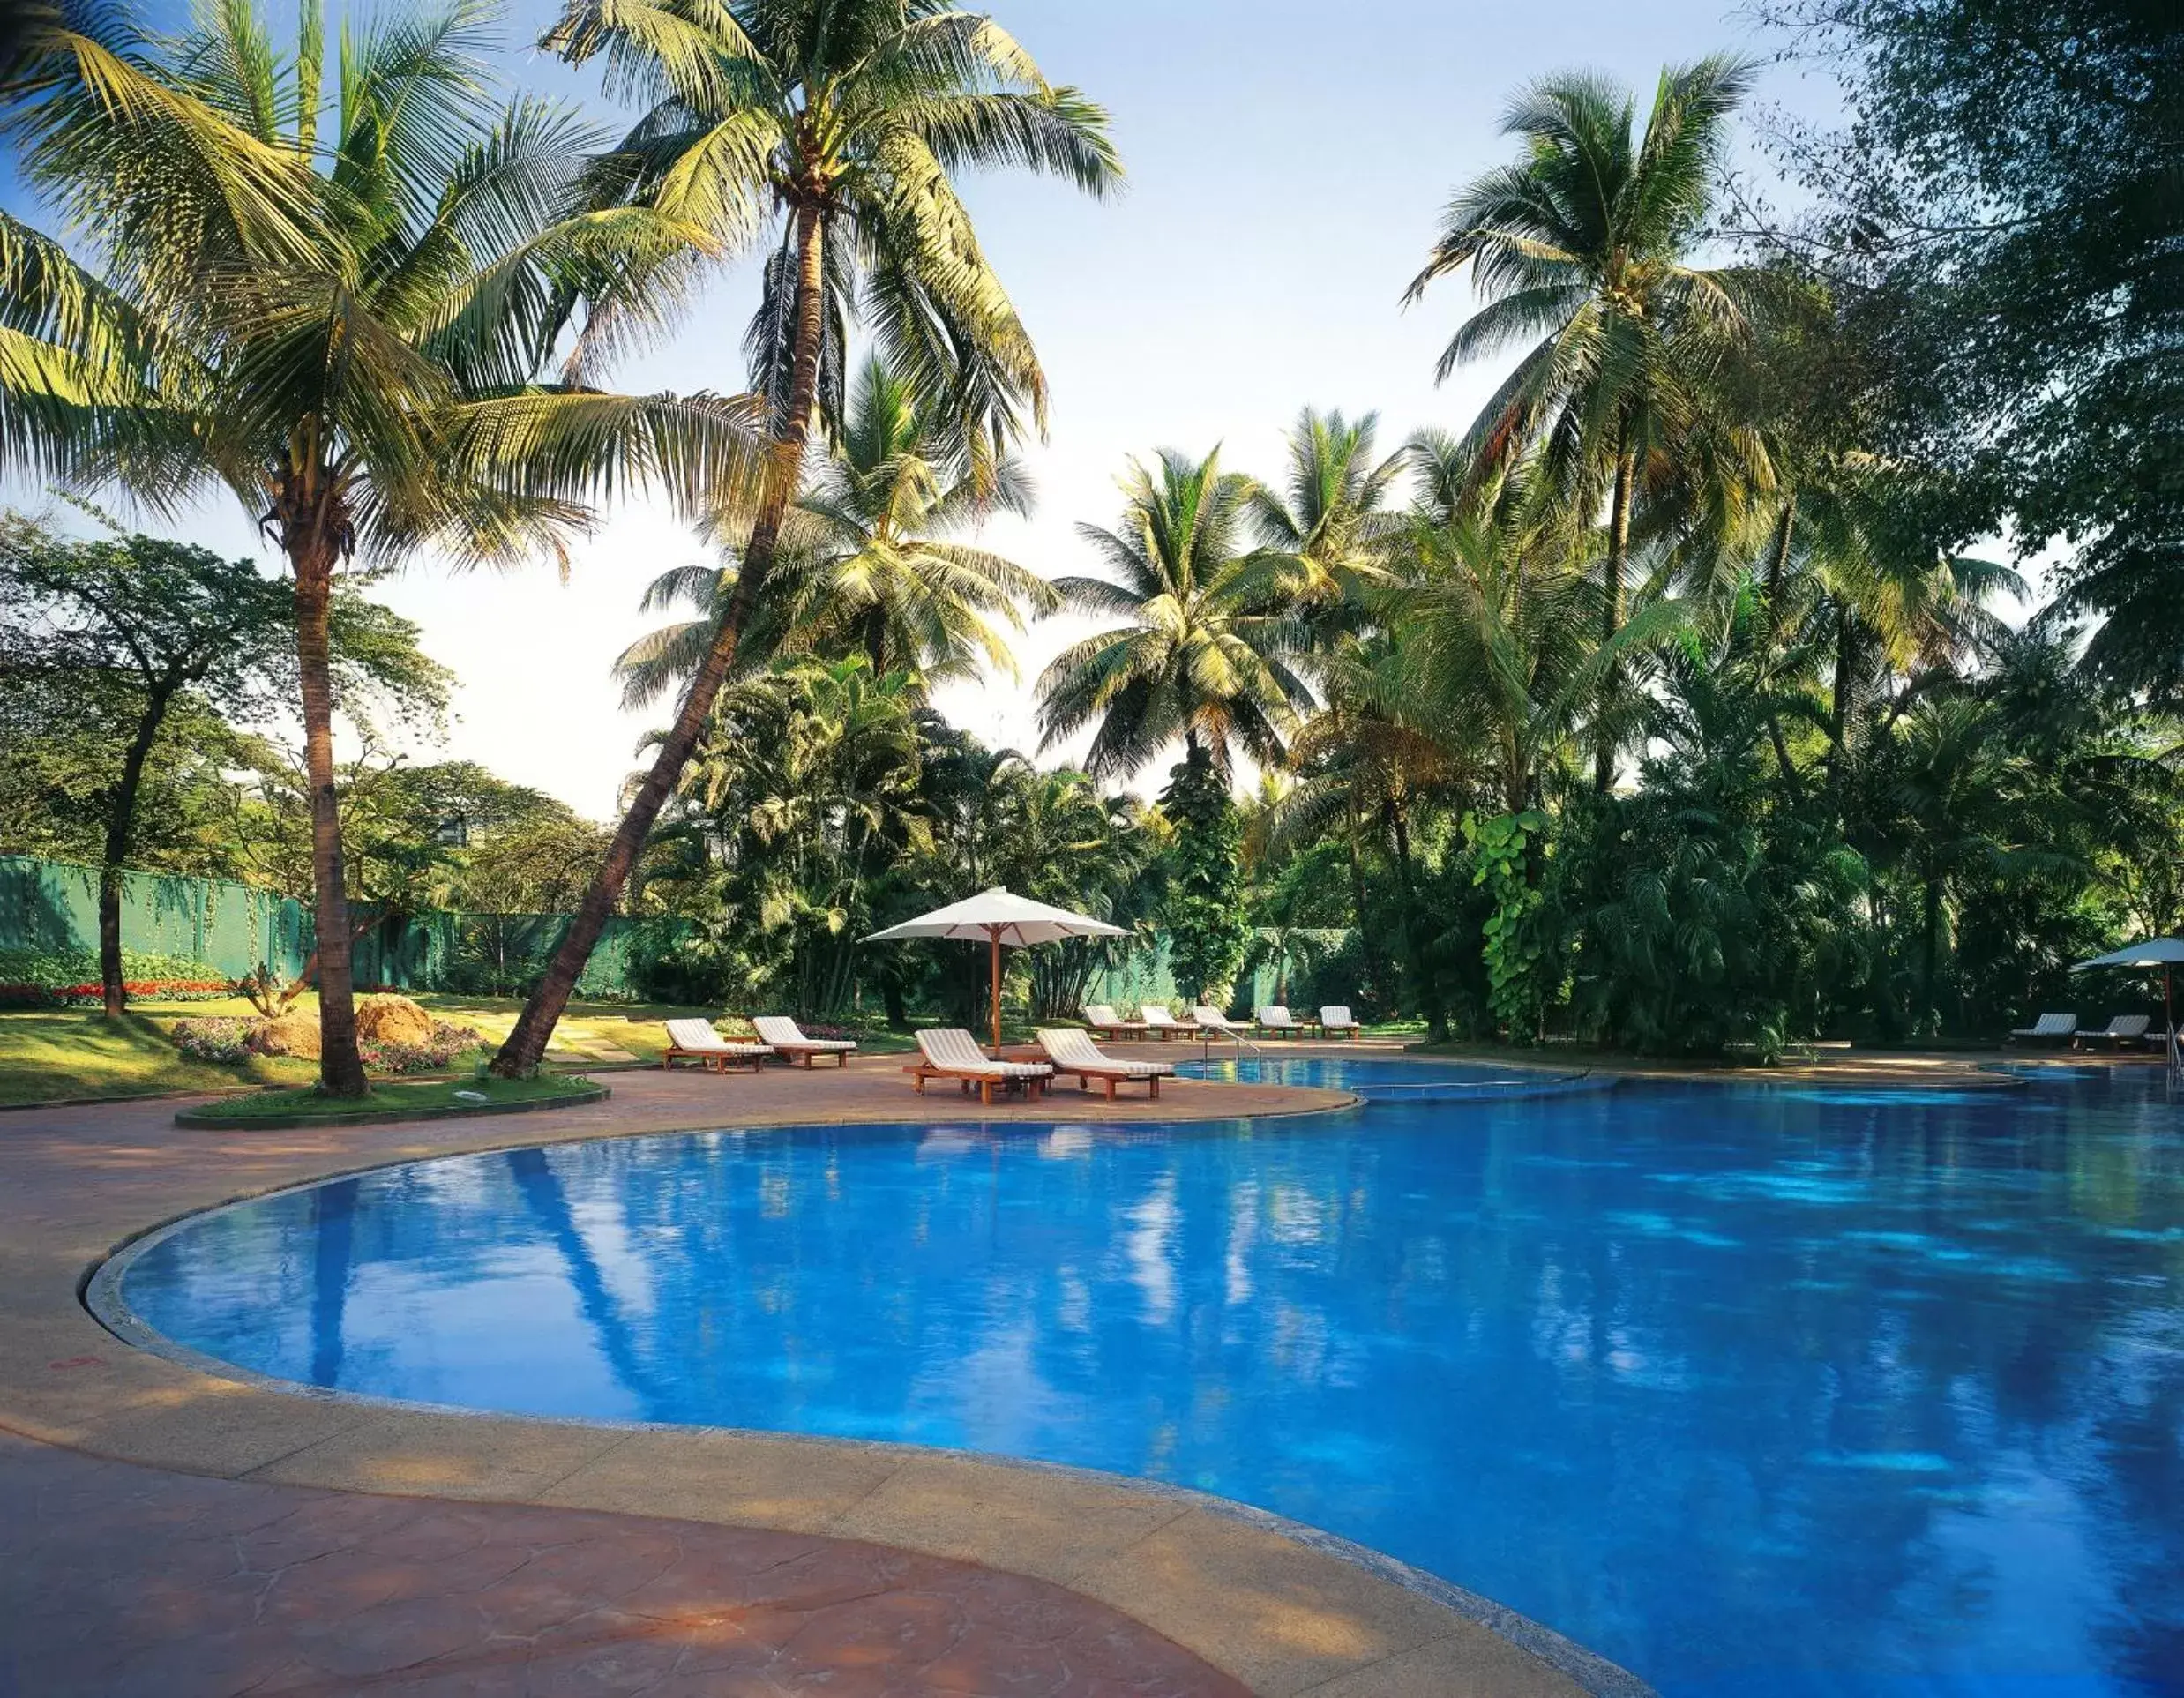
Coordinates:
column 49, row 1055
column 54, row 1055
column 399, row 1096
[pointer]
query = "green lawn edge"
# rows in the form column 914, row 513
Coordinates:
column 223, row 1117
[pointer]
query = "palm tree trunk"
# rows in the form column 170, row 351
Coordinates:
column 341, row 1069
column 527, row 1043
column 119, row 824
column 1839, row 699
column 1778, row 564
column 1931, row 913
column 1376, row 971
column 1414, row 946
column 1611, row 605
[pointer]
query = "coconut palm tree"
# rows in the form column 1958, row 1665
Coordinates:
column 1206, row 647
column 1582, row 249
column 865, row 563
column 341, row 308
column 1324, row 536
column 837, row 130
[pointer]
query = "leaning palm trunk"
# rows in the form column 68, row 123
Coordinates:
column 526, row 1046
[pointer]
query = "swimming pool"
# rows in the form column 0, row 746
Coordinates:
column 1754, row 1392
column 1390, row 1080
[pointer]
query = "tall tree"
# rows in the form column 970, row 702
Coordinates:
column 178, row 621
column 1207, row 649
column 346, row 328
column 1586, row 245
column 2001, row 220
column 868, row 562
column 1325, row 533
column 839, row 129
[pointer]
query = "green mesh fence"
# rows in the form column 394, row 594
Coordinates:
column 233, row 928
column 54, row 905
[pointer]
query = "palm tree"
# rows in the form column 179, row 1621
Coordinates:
column 1205, row 649
column 1585, row 245
column 865, row 563
column 840, row 128
column 1496, row 646
column 1324, row 536
column 347, row 329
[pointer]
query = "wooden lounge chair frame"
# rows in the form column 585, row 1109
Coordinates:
column 940, row 1057
column 1088, row 1063
column 1350, row 1026
column 720, row 1056
column 786, row 1039
column 1114, row 1026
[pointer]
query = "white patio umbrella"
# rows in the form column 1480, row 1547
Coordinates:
column 2164, row 953
column 995, row 917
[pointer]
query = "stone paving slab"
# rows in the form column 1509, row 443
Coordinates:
column 1249, row 1607
column 122, row 1581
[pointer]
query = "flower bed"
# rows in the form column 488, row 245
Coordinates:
column 68, row 978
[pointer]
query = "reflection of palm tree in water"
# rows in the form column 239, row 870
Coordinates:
column 541, row 1189
column 334, row 1234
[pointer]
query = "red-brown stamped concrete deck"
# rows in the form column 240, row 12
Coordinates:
column 166, row 1531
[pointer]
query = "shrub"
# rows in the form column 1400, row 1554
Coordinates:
column 222, row 1041
column 447, row 1043
column 68, row 978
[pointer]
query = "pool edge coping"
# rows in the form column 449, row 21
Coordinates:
column 100, row 1303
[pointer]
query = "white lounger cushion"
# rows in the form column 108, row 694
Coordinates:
column 699, row 1039
column 2126, row 1026
column 784, row 1034
column 1336, row 1014
column 1154, row 1014
column 1274, row 1015
column 1212, row 1019
column 2049, row 1026
column 1072, row 1049
column 952, row 1050
column 1098, row 1013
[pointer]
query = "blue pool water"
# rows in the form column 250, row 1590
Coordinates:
column 1754, row 1391
column 1378, row 1081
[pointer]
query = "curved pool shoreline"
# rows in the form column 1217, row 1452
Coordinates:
column 1276, row 1612
column 1773, row 1187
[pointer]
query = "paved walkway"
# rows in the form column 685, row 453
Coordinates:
column 117, row 1580
column 174, row 1533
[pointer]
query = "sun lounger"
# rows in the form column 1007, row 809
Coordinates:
column 1157, row 1019
column 1209, row 1020
column 695, row 1040
column 951, row 1053
column 1337, row 1017
column 1073, row 1052
column 1275, row 1020
column 1105, row 1023
column 787, row 1039
column 2052, row 1029
column 2124, row 1028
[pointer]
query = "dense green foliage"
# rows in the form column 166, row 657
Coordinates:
column 1672, row 703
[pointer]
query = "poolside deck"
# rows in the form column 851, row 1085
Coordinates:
column 170, row 1532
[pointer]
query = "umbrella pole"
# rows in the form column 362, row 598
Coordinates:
column 2168, row 1015
column 995, row 933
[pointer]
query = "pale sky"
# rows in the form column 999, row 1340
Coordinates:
column 1287, row 165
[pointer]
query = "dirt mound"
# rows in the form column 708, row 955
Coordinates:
column 393, row 1020
column 295, row 1033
